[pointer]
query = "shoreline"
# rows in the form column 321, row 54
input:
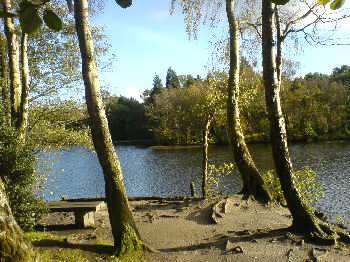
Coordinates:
column 242, row 231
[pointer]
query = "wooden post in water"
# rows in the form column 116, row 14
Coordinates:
column 193, row 189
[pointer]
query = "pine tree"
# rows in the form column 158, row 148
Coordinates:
column 172, row 81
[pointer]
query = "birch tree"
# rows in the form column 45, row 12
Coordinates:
column 125, row 233
column 253, row 184
column 304, row 219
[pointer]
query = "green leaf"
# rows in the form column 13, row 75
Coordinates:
column 336, row 4
column 29, row 19
column 280, row 2
column 323, row 2
column 124, row 3
column 52, row 20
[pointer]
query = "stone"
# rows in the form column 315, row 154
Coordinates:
column 84, row 219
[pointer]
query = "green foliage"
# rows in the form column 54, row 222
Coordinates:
column 172, row 80
column 126, row 118
column 280, row 2
column 316, row 107
column 179, row 114
column 217, row 172
column 273, row 184
column 59, row 125
column 29, row 18
column 124, row 3
column 305, row 180
column 335, row 4
column 17, row 169
column 52, row 20
column 308, row 186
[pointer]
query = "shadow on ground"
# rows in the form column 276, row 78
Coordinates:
column 239, row 236
column 95, row 248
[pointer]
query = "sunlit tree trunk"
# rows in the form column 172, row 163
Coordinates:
column 23, row 113
column 13, row 246
column 13, row 55
column 253, row 184
column 125, row 234
column 5, row 92
column 205, row 157
column 303, row 219
column 279, row 42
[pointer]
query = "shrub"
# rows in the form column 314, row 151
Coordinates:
column 305, row 181
column 273, row 184
column 17, row 169
column 215, row 173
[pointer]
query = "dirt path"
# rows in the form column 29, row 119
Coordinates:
column 186, row 231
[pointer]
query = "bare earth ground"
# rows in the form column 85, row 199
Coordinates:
column 186, row 231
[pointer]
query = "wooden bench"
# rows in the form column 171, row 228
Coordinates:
column 84, row 211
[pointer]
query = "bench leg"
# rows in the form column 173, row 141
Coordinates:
column 84, row 219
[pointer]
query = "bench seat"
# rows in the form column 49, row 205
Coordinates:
column 84, row 212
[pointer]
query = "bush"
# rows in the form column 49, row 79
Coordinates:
column 17, row 169
column 273, row 184
column 305, row 181
column 215, row 174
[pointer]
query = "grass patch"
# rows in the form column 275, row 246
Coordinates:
column 55, row 248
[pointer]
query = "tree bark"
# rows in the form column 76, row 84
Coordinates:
column 205, row 158
column 13, row 245
column 253, row 184
column 23, row 112
column 4, row 81
column 303, row 219
column 13, row 54
column 125, row 234
column 279, row 41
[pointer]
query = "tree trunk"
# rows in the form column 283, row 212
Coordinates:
column 279, row 42
column 125, row 234
column 302, row 218
column 253, row 184
column 205, row 158
column 4, row 81
column 13, row 246
column 13, row 54
column 23, row 113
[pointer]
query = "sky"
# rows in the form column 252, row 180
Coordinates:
column 147, row 41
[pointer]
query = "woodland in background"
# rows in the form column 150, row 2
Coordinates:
column 316, row 107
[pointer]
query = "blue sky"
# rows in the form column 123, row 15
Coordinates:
column 147, row 40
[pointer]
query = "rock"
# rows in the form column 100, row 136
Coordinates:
column 315, row 254
column 230, row 247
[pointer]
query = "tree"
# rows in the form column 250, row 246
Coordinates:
column 157, row 83
column 172, row 81
column 252, row 180
column 156, row 88
column 304, row 219
column 253, row 184
column 24, row 103
column 5, row 91
column 14, row 247
column 13, row 55
column 126, row 236
column 126, row 118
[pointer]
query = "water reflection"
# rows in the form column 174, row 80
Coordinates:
column 148, row 172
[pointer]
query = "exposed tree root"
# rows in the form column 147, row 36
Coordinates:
column 148, row 248
column 326, row 233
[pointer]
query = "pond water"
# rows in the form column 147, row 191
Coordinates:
column 76, row 173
